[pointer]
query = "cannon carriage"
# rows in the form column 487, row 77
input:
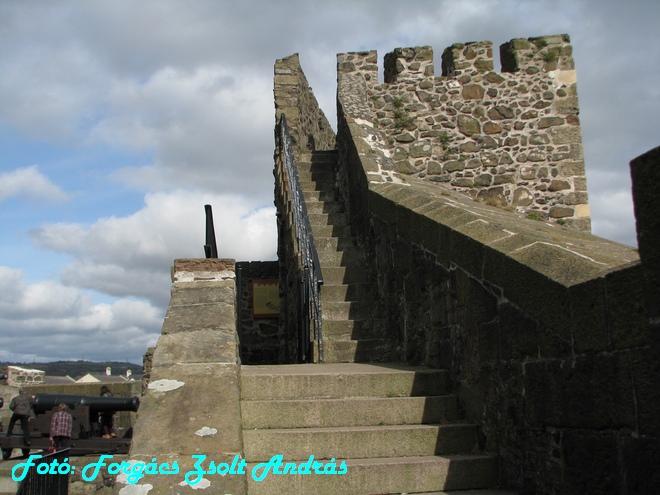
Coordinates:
column 85, row 434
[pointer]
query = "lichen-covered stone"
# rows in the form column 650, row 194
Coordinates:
column 468, row 125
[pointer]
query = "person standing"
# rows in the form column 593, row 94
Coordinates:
column 106, row 419
column 21, row 405
column 61, row 425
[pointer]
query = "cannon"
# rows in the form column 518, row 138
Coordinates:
column 46, row 402
column 85, row 434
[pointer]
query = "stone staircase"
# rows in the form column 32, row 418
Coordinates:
column 396, row 427
column 352, row 328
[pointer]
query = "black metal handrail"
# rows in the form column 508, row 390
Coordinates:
column 40, row 483
column 312, row 276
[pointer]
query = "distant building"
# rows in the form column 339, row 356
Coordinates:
column 20, row 377
column 108, row 377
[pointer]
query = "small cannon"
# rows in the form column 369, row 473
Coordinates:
column 85, row 434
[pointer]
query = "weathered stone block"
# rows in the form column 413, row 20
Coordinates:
column 589, row 325
column 183, row 294
column 214, row 316
column 522, row 197
column 500, row 112
column 492, row 196
column 518, row 334
column 638, row 459
column 645, row 364
column 473, row 92
column 590, row 392
column 515, row 274
column 202, row 346
column 492, row 128
column 626, row 312
column 591, row 462
column 467, row 241
column 468, row 126
column 454, row 166
column 561, row 212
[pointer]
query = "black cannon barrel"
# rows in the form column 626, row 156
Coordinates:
column 46, row 402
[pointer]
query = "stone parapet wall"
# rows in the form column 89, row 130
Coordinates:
column 510, row 139
column 645, row 171
column 543, row 328
column 308, row 124
column 192, row 403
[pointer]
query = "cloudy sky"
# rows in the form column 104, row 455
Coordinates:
column 120, row 119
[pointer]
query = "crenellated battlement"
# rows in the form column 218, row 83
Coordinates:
column 408, row 63
column 471, row 59
column 548, row 53
column 509, row 138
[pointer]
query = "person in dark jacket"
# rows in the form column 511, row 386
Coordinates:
column 21, row 405
column 106, row 419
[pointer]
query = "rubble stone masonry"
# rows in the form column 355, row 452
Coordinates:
column 510, row 139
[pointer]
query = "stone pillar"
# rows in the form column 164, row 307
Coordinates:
column 192, row 403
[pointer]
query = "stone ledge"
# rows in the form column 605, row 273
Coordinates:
column 541, row 246
column 203, row 269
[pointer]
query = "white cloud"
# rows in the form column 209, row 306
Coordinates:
column 207, row 127
column 130, row 256
column 29, row 183
column 52, row 321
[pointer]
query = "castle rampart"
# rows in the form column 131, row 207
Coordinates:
column 543, row 328
column 510, row 139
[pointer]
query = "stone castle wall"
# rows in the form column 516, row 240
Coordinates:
column 309, row 130
column 510, row 139
column 260, row 338
column 544, row 329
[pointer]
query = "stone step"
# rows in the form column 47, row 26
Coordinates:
column 319, row 156
column 325, row 207
column 358, row 442
column 336, row 219
column 396, row 475
column 340, row 380
column 344, row 275
column 331, row 244
column 344, row 292
column 368, row 350
column 348, row 310
column 342, row 232
column 324, row 185
column 316, row 174
column 312, row 196
column 346, row 256
column 355, row 411
column 354, row 329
